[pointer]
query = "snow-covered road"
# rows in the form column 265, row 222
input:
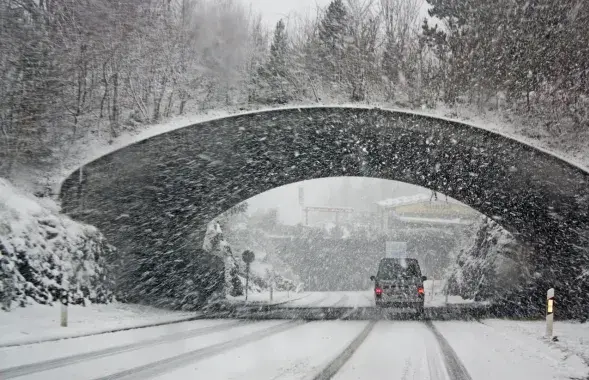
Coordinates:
column 281, row 349
column 358, row 299
column 396, row 350
column 333, row 299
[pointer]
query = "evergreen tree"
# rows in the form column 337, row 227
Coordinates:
column 236, row 284
column 332, row 35
column 276, row 72
column 391, row 64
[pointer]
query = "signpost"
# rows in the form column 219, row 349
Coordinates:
column 248, row 257
column 549, row 313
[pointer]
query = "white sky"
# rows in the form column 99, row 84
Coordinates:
column 274, row 10
column 317, row 193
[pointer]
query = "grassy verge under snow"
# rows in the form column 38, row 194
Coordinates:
column 42, row 322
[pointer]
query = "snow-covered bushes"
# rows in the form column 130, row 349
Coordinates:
column 39, row 249
column 215, row 244
column 262, row 274
column 488, row 266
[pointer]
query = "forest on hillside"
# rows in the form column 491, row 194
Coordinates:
column 76, row 68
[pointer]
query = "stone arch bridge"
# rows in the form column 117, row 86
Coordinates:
column 158, row 194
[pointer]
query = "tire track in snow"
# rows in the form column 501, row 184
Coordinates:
column 318, row 302
column 312, row 304
column 28, row 369
column 337, row 363
column 341, row 302
column 162, row 366
column 370, row 299
column 454, row 367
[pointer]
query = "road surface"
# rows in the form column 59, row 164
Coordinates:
column 345, row 299
column 283, row 349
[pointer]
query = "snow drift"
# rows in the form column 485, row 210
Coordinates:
column 43, row 253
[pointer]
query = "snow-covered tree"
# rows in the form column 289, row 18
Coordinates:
column 276, row 87
column 332, row 39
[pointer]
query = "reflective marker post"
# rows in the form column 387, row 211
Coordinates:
column 64, row 302
column 549, row 313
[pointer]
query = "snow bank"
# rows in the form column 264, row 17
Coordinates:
column 490, row 353
column 40, row 322
column 43, row 252
column 573, row 337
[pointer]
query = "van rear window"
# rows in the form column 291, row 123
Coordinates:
column 396, row 269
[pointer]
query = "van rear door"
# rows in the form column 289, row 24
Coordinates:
column 399, row 279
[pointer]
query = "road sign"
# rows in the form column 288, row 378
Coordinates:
column 396, row 249
column 248, row 257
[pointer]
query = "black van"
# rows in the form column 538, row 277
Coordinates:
column 399, row 283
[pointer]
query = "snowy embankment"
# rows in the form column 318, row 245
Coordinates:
column 38, row 323
column 43, row 253
column 502, row 349
column 572, row 337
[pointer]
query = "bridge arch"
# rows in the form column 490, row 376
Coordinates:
column 160, row 190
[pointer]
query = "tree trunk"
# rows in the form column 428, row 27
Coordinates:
column 105, row 95
column 114, row 124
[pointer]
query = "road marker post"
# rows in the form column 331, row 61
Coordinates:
column 64, row 303
column 549, row 313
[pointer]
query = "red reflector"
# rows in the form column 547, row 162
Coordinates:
column 378, row 291
column 420, row 290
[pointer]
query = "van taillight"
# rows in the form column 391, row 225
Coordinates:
column 420, row 290
column 378, row 291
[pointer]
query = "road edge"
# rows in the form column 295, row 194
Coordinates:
column 17, row 343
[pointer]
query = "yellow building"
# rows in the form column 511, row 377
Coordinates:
column 423, row 209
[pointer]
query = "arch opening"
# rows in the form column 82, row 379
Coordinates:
column 328, row 235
